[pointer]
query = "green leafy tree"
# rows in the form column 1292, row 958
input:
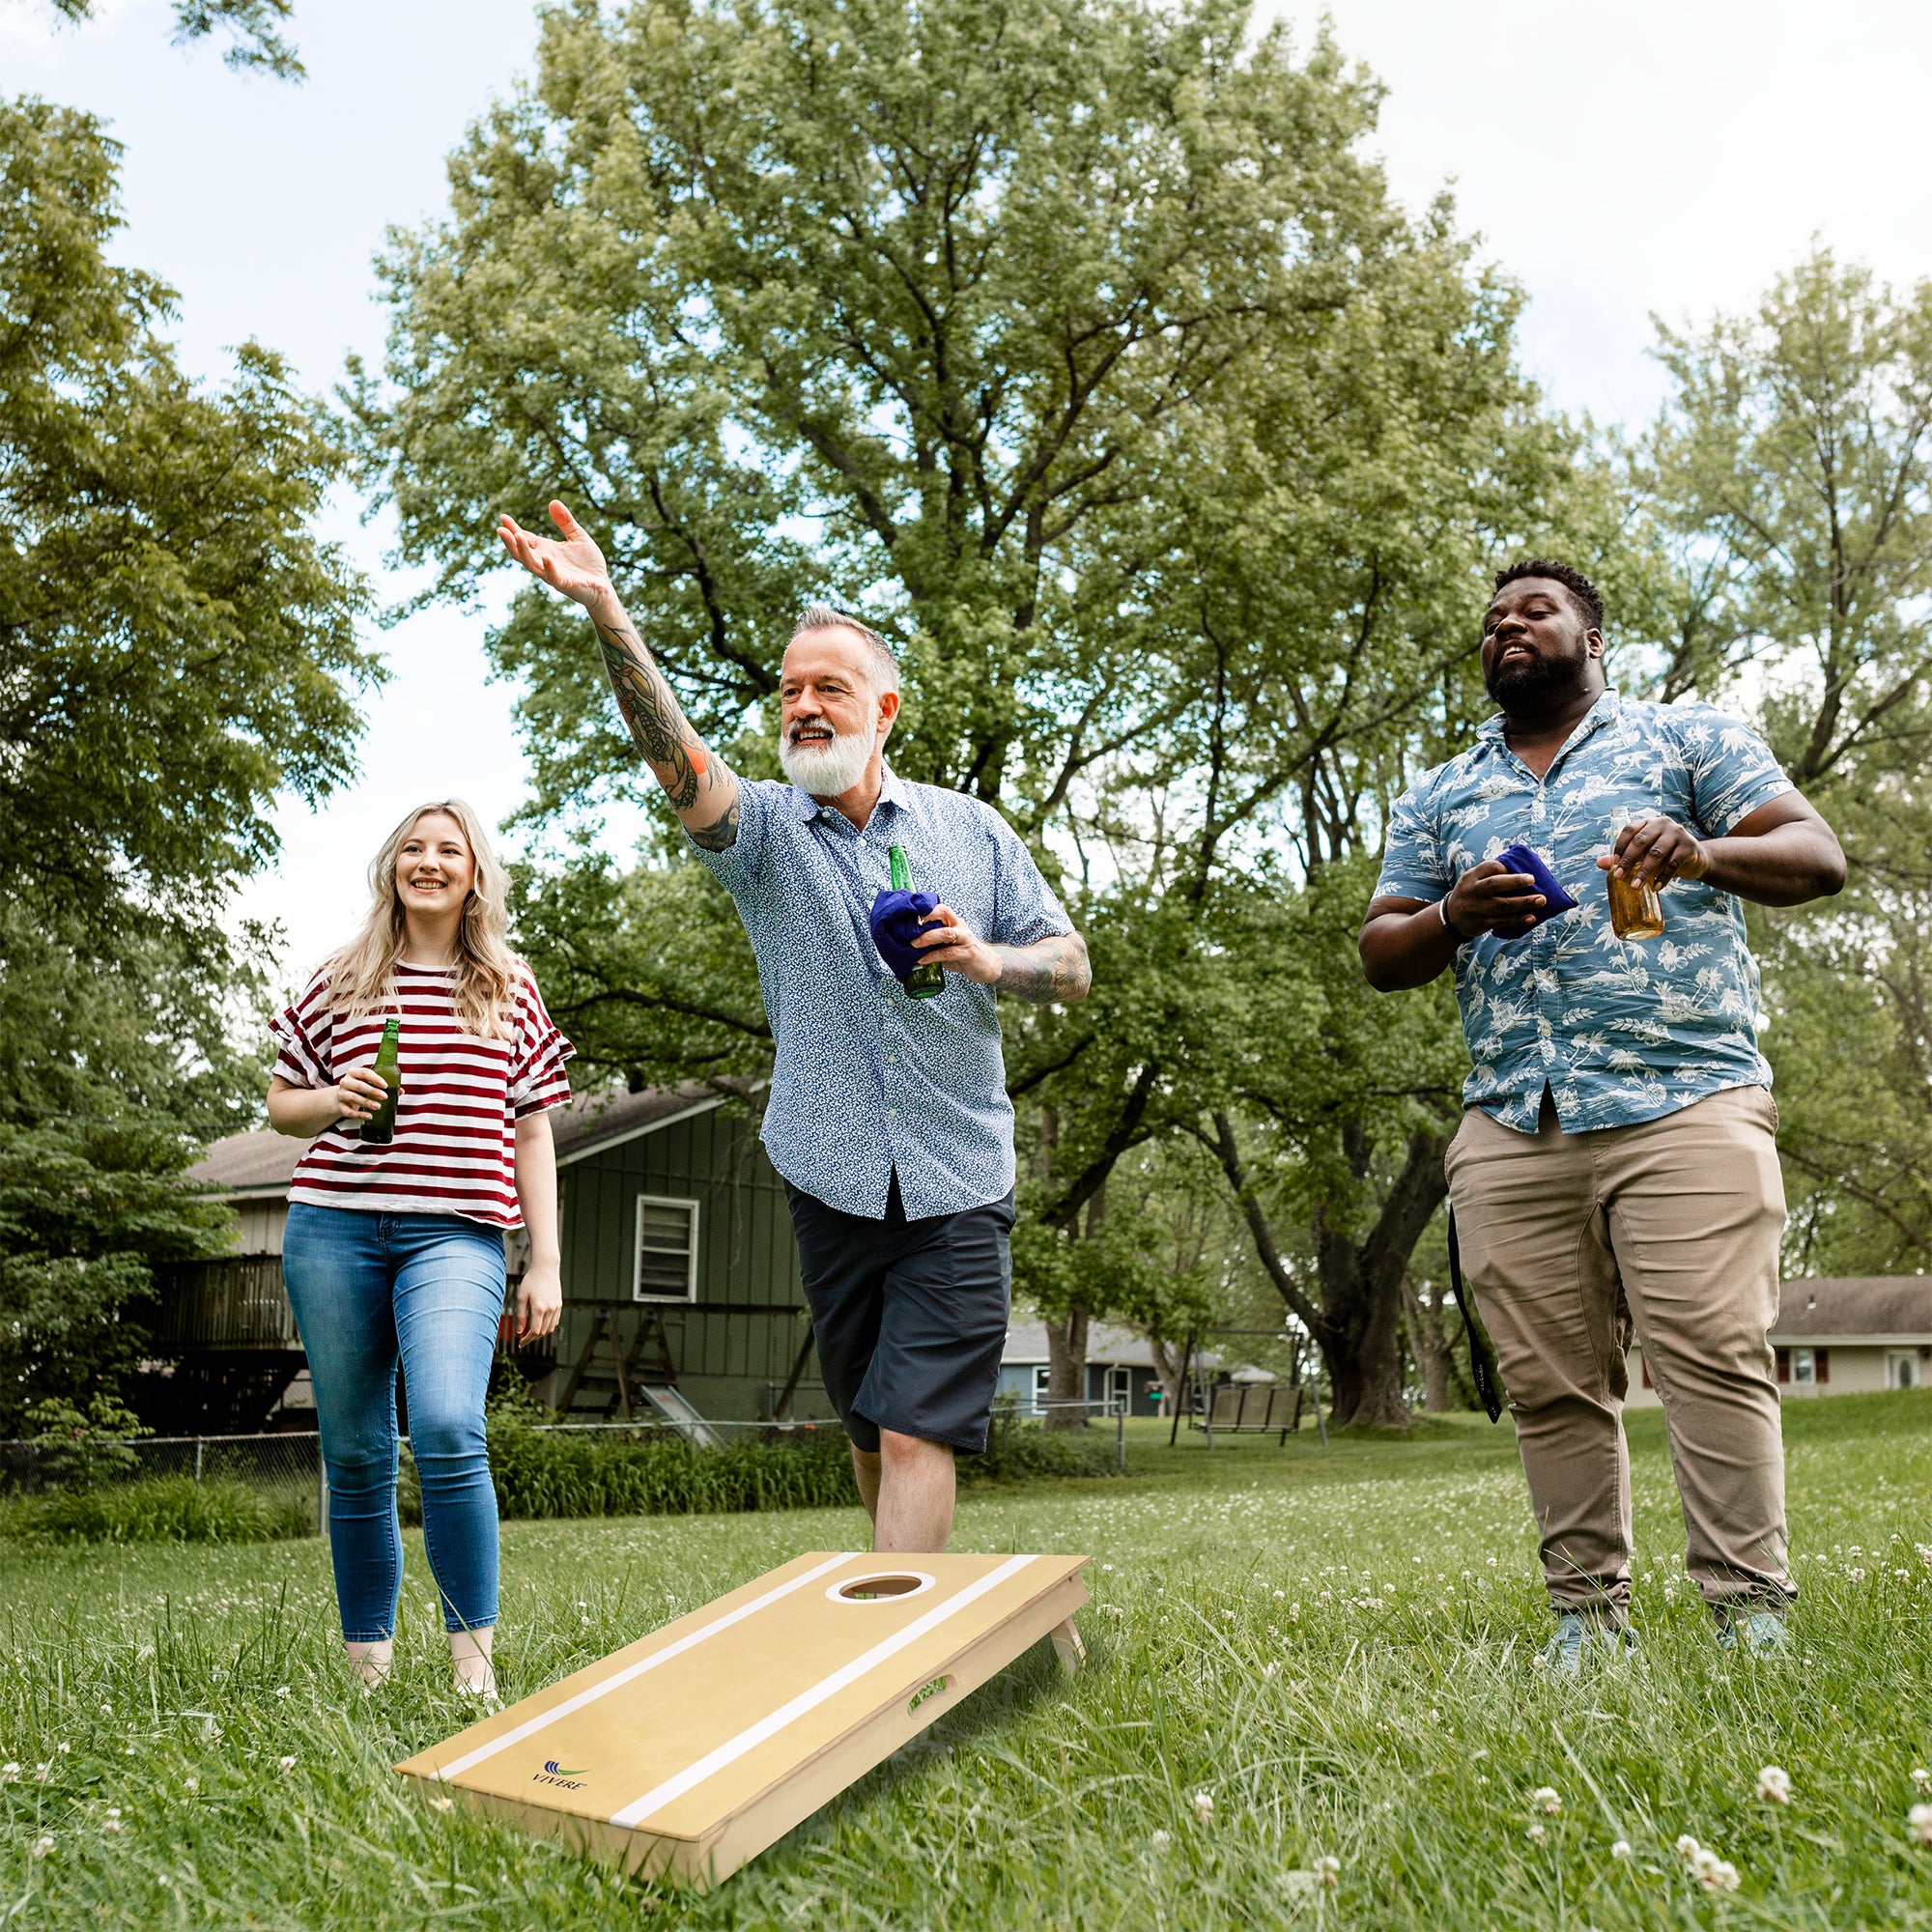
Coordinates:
column 176, row 650
column 1792, row 470
column 256, row 43
column 1076, row 343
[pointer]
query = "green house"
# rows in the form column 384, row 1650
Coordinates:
column 681, row 1290
column 679, row 1267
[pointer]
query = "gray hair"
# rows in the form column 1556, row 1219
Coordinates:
column 882, row 667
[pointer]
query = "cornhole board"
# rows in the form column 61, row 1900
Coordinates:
column 688, row 1751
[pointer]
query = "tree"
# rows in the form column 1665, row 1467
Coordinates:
column 176, row 649
column 254, row 28
column 1791, row 471
column 175, row 644
column 1076, row 343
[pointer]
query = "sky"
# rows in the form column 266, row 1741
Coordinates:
column 1646, row 159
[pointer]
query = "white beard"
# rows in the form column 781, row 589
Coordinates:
column 826, row 771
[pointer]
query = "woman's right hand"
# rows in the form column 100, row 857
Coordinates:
column 358, row 1094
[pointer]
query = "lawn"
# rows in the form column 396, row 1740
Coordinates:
column 1335, row 1646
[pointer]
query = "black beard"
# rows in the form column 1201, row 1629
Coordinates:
column 1535, row 684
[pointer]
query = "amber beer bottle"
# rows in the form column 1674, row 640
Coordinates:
column 924, row 982
column 380, row 1128
column 1635, row 910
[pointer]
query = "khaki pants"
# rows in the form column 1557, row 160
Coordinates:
column 1675, row 1224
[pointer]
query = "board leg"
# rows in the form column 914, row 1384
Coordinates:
column 1068, row 1647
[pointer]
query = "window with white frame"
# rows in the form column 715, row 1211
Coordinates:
column 1120, row 1389
column 1803, row 1366
column 1042, row 1388
column 666, row 1267
column 1901, row 1368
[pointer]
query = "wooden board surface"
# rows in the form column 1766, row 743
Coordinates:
column 695, row 1748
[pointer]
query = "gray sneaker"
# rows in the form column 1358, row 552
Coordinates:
column 1563, row 1655
column 1761, row 1634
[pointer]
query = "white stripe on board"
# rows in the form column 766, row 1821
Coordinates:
column 530, row 1726
column 661, row 1794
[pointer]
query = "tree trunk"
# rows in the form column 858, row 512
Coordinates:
column 1433, row 1351
column 1067, row 1368
column 1356, row 1323
column 1167, row 1372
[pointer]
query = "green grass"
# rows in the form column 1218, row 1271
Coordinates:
column 1334, row 1645
column 159, row 1508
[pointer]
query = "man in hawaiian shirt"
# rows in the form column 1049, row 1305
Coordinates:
column 888, row 1118
column 1616, row 1162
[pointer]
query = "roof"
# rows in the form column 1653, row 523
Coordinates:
column 261, row 1163
column 1107, row 1347
column 1856, row 1308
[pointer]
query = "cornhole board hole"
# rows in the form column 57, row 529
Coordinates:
column 690, row 1751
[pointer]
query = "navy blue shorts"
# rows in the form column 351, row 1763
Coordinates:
column 909, row 1316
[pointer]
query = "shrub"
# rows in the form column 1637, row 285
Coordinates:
column 83, row 1449
column 1016, row 1450
column 544, row 1472
column 158, row 1509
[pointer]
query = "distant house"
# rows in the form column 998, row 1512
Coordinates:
column 1119, row 1368
column 1840, row 1335
column 680, row 1277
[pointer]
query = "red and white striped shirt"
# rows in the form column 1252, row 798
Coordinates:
column 455, row 1150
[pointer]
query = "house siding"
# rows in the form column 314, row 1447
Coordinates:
column 1856, row 1369
column 727, row 1361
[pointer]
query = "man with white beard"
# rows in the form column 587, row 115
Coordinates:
column 888, row 1118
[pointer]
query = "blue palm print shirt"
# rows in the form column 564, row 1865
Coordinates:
column 1620, row 1032
column 866, row 1078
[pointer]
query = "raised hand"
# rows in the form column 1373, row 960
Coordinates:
column 575, row 566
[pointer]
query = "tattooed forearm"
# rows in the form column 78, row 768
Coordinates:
column 660, row 731
column 720, row 835
column 1048, row 970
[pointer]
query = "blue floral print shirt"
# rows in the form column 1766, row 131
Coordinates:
column 1620, row 1032
column 865, row 1077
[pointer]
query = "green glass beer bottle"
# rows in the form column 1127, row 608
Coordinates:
column 924, row 982
column 380, row 1128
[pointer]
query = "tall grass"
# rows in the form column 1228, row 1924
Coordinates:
column 158, row 1509
column 1336, row 1649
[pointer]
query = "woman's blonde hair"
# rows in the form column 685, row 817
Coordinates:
column 362, row 976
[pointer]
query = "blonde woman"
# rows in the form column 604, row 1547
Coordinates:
column 394, row 1252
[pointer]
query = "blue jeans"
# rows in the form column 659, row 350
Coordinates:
column 366, row 1289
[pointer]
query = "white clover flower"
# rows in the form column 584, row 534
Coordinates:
column 1538, row 1834
column 190, row 1785
column 1919, row 1824
column 285, row 1764
column 10, row 1772
column 1774, row 1785
column 1269, row 1669
column 1687, row 1848
column 44, row 1772
column 441, row 1804
column 281, row 1690
column 1546, row 1800
column 64, row 1749
column 43, row 1844
column 1204, row 1807
column 1329, row 1871
column 1713, row 1873
column 1622, row 1849
column 111, row 1822
column 1160, row 1841
column 1922, row 1779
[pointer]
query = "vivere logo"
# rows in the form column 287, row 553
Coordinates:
column 563, row 1776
